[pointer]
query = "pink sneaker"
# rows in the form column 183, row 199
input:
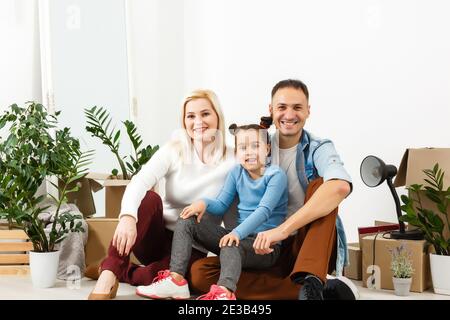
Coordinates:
column 217, row 293
column 165, row 287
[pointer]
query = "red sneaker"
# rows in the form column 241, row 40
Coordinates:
column 217, row 293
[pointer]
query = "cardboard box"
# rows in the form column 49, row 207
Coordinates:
column 383, row 275
column 379, row 227
column 411, row 168
column 354, row 269
column 100, row 235
column 114, row 190
column 83, row 198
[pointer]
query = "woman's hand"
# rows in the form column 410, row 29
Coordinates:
column 125, row 235
column 197, row 208
column 228, row 240
column 265, row 239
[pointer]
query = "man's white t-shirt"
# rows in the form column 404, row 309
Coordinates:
column 285, row 158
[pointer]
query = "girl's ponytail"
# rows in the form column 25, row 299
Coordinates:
column 266, row 122
column 233, row 128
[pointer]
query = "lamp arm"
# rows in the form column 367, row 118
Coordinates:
column 397, row 204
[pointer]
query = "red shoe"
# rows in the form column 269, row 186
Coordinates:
column 217, row 293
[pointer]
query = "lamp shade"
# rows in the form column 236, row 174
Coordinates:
column 374, row 171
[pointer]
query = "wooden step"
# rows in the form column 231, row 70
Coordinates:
column 16, row 246
column 14, row 258
column 15, row 270
column 13, row 234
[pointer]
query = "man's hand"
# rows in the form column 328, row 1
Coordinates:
column 228, row 240
column 197, row 208
column 125, row 235
column 264, row 240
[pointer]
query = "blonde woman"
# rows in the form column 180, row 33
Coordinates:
column 194, row 164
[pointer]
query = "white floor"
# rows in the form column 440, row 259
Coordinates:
column 20, row 287
column 370, row 294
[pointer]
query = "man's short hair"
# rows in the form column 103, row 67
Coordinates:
column 291, row 83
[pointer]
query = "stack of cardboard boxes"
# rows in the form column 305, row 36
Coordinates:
column 372, row 265
column 370, row 258
column 378, row 261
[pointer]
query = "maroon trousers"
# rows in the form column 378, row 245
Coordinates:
column 152, row 247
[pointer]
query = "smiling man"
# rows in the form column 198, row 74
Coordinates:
column 305, row 158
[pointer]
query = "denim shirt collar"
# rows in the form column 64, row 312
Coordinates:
column 304, row 139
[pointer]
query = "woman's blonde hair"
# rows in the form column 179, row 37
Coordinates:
column 183, row 142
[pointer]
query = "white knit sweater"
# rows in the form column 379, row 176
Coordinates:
column 184, row 182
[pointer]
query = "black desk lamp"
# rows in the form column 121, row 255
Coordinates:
column 373, row 173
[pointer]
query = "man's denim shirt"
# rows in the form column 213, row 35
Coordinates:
column 318, row 158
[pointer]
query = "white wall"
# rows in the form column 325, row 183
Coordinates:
column 378, row 71
column 157, row 59
column 20, row 77
column 378, row 74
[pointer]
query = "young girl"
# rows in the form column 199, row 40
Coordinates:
column 263, row 200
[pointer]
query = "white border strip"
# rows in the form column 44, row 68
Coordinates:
column 46, row 56
column 133, row 103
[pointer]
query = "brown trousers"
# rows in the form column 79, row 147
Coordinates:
column 311, row 250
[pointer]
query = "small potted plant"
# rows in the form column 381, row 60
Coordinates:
column 402, row 270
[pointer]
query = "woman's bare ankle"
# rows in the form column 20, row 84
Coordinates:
column 105, row 281
column 108, row 274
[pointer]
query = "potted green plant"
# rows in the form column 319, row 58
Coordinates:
column 99, row 126
column 402, row 270
column 431, row 222
column 28, row 156
column 99, row 122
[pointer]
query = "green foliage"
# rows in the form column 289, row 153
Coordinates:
column 141, row 156
column 25, row 158
column 28, row 156
column 99, row 122
column 401, row 263
column 431, row 223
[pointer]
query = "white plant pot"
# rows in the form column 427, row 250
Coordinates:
column 402, row 286
column 440, row 273
column 44, row 268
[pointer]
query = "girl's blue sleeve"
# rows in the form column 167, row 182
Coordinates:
column 276, row 187
column 223, row 201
